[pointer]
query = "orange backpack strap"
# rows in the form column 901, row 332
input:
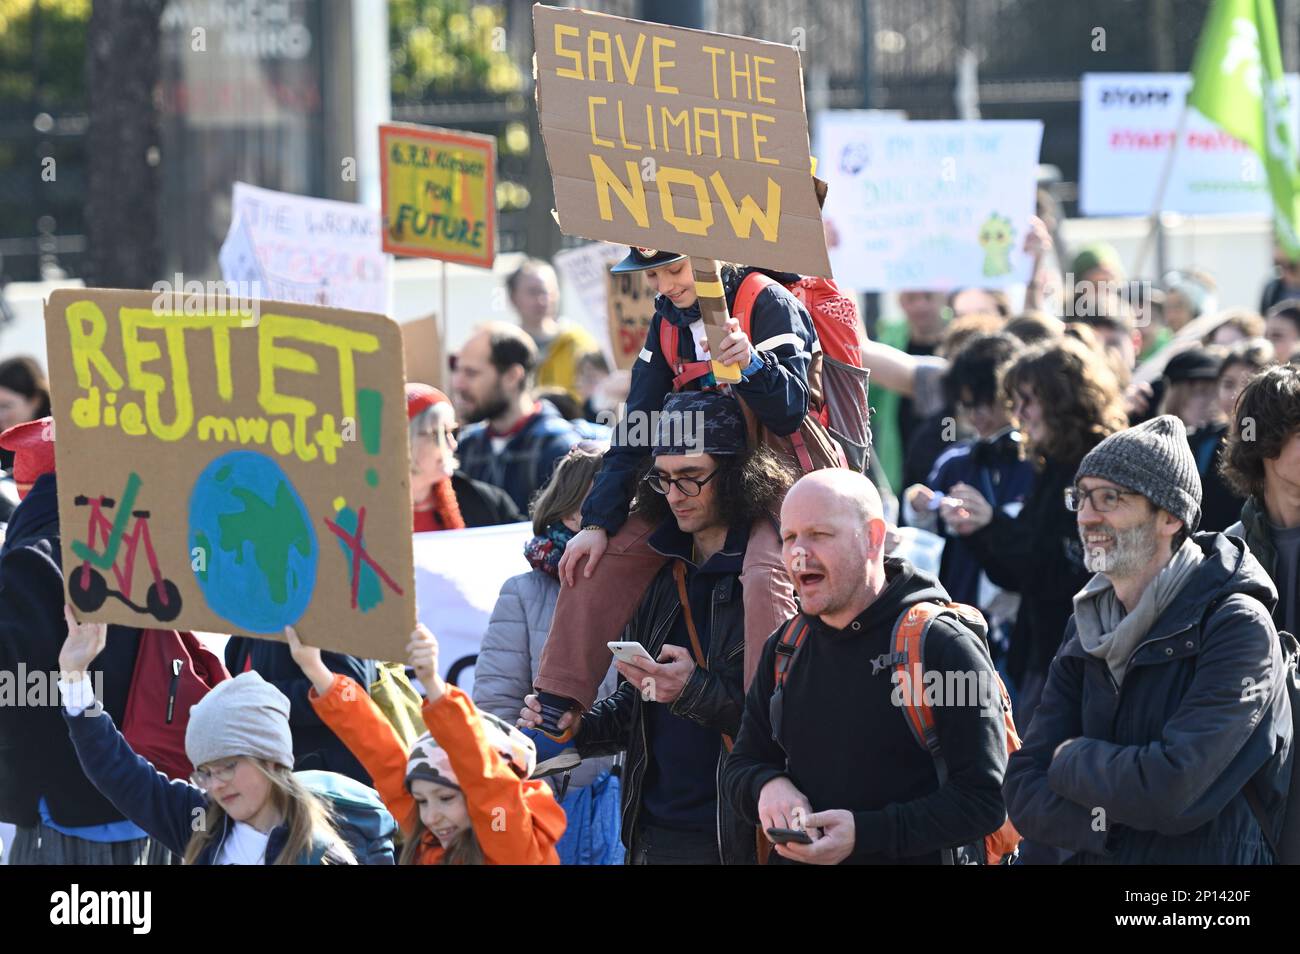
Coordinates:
column 792, row 637
column 909, row 671
column 684, row 372
column 743, row 307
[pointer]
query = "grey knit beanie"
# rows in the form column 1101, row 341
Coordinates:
column 241, row 716
column 1154, row 459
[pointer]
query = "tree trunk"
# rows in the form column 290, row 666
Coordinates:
column 122, row 56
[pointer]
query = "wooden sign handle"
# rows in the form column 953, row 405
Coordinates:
column 713, row 310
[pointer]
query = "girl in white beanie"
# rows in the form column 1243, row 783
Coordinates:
column 243, row 804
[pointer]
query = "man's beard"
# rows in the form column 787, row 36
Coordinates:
column 494, row 406
column 1132, row 550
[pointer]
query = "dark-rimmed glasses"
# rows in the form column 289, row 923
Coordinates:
column 690, row 486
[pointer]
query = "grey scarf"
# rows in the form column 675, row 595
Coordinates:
column 1104, row 629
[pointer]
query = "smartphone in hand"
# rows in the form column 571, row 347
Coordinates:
column 631, row 652
column 785, row 836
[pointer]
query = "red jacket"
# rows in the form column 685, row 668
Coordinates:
column 516, row 821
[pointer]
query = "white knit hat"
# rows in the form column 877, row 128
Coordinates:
column 241, row 716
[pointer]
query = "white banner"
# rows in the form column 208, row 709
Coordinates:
column 927, row 205
column 1126, row 130
column 458, row 576
column 314, row 251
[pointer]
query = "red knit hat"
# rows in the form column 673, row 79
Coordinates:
column 33, row 447
column 421, row 397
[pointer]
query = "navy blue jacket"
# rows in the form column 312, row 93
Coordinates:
column 997, row 471
column 315, row 746
column 782, row 333
column 1158, row 771
column 526, row 462
column 36, row 757
column 168, row 810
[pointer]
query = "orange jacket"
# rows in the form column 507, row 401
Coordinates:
column 516, row 822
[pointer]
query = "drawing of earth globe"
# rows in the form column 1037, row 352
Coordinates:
column 252, row 548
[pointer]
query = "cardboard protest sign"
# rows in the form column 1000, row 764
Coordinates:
column 233, row 466
column 1127, row 127
column 668, row 138
column 295, row 248
column 439, row 193
column 933, row 205
column 426, row 361
column 631, row 304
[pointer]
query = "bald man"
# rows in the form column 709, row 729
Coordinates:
column 831, row 753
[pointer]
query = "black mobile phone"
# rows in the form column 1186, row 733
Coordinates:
column 783, row 836
column 553, row 707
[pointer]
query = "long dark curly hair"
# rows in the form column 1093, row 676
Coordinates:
column 1077, row 393
column 750, row 486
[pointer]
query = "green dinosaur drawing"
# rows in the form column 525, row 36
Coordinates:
column 996, row 238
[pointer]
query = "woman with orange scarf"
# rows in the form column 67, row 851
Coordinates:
column 441, row 498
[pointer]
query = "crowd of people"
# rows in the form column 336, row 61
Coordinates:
column 720, row 654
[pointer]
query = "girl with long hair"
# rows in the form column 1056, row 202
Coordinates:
column 243, row 805
column 461, row 794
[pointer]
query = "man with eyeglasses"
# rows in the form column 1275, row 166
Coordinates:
column 676, row 717
column 1164, row 731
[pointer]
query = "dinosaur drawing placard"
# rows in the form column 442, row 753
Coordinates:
column 928, row 205
column 233, row 466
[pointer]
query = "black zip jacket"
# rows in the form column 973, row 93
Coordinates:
column 36, row 756
column 713, row 699
column 846, row 745
column 1159, row 766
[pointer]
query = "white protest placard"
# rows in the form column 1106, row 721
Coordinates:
column 1126, row 131
column 458, row 576
column 583, row 271
column 314, row 251
column 928, row 205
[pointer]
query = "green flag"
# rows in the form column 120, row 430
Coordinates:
column 1237, row 82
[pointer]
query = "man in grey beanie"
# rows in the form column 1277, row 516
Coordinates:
column 1164, row 727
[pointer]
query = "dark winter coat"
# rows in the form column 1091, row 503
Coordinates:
column 1159, row 768
column 483, row 505
column 783, row 335
column 526, row 462
column 712, row 698
column 36, row 757
column 845, row 743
